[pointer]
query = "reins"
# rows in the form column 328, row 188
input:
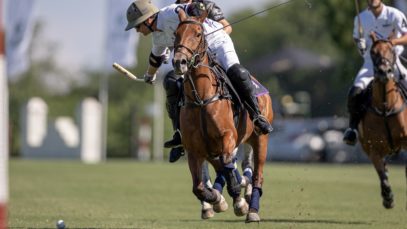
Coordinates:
column 255, row 14
column 195, row 62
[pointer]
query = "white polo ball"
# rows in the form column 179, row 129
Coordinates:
column 60, row 224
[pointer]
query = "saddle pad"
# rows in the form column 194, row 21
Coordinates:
column 259, row 89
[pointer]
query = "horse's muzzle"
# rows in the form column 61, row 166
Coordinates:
column 180, row 63
column 384, row 73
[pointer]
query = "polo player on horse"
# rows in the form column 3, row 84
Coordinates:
column 387, row 23
column 147, row 18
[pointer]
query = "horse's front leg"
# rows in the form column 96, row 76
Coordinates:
column 381, row 169
column 202, row 192
column 233, row 181
column 260, row 153
column 206, row 208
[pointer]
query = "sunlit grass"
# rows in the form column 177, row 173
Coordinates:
column 124, row 194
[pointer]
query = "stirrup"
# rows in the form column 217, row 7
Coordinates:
column 350, row 136
column 176, row 140
column 261, row 120
column 175, row 154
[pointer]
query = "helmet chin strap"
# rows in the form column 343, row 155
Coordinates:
column 150, row 26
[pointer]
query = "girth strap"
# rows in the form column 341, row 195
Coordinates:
column 387, row 113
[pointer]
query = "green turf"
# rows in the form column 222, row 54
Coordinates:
column 120, row 194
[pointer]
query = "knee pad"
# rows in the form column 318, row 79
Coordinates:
column 354, row 95
column 238, row 73
column 355, row 91
column 171, row 84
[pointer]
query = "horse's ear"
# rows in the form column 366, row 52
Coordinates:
column 373, row 36
column 182, row 15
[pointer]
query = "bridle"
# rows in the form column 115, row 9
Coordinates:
column 389, row 62
column 194, row 60
column 197, row 54
column 379, row 60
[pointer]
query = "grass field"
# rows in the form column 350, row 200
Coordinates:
column 126, row 194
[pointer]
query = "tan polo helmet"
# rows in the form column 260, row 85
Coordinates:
column 139, row 11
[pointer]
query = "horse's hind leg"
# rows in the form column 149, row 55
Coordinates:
column 406, row 180
column 247, row 168
column 381, row 169
column 260, row 152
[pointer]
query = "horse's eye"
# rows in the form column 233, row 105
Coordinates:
column 199, row 35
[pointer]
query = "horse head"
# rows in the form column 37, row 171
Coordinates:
column 190, row 44
column 383, row 58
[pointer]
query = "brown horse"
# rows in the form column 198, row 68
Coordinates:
column 207, row 123
column 383, row 130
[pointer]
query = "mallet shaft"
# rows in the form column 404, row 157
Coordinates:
column 126, row 72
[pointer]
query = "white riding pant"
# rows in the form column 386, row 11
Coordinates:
column 366, row 73
column 224, row 52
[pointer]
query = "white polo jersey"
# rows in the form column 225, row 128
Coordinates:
column 390, row 20
column 219, row 41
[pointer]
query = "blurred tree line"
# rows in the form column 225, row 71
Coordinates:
column 323, row 28
column 320, row 27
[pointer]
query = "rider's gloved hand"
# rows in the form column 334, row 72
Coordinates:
column 361, row 43
column 150, row 79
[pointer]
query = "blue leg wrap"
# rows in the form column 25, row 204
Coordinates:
column 230, row 165
column 205, row 174
column 238, row 177
column 233, row 186
column 219, row 182
column 255, row 200
column 248, row 173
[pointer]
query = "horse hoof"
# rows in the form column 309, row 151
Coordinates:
column 252, row 217
column 207, row 213
column 248, row 192
column 221, row 206
column 388, row 204
column 240, row 207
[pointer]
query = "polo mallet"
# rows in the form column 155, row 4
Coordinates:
column 360, row 28
column 126, row 72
